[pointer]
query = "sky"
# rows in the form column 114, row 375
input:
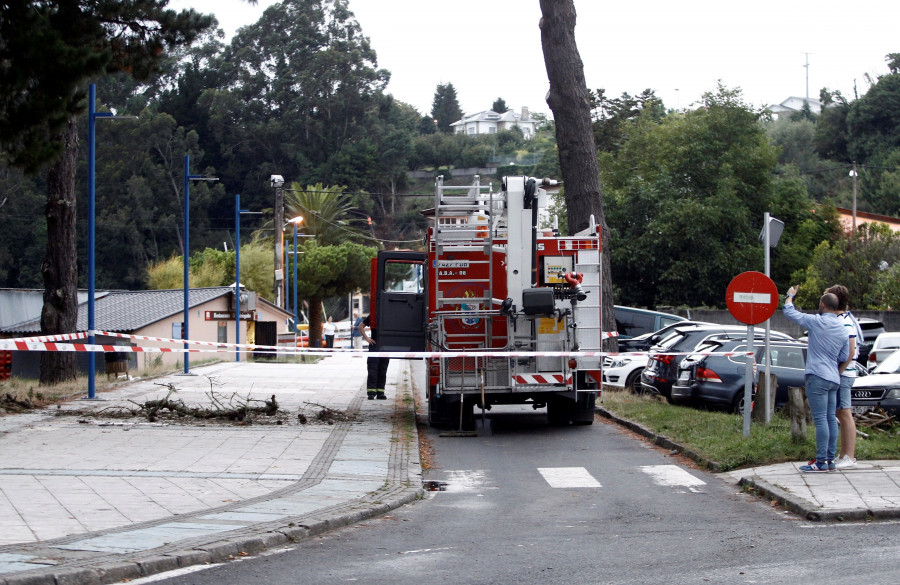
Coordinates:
column 491, row 49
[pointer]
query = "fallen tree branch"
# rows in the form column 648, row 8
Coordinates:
column 234, row 408
column 325, row 414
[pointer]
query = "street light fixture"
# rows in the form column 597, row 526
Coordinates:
column 188, row 177
column 93, row 116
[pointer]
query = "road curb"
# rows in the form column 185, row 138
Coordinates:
column 660, row 440
column 800, row 506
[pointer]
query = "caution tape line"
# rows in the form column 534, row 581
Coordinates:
column 14, row 345
column 51, row 338
column 85, row 334
column 168, row 339
column 10, row 345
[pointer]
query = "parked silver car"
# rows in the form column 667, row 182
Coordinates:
column 880, row 389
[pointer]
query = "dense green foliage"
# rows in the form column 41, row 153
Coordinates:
column 686, row 195
column 49, row 50
column 866, row 262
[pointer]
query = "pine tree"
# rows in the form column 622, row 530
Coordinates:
column 445, row 108
column 49, row 51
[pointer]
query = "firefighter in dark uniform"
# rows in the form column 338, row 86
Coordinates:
column 376, row 366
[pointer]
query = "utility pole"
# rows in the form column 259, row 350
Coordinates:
column 806, row 66
column 277, row 182
column 854, row 174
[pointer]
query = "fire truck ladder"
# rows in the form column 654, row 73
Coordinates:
column 589, row 331
column 464, row 230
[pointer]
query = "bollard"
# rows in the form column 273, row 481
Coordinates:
column 798, row 407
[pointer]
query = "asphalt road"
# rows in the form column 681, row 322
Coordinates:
column 531, row 503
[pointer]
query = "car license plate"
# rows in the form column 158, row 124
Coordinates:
column 861, row 409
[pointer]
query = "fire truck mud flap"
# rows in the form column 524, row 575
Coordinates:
column 571, row 408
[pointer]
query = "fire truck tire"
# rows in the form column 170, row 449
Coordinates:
column 443, row 411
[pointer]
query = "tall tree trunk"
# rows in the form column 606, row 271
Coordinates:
column 569, row 101
column 315, row 322
column 59, row 269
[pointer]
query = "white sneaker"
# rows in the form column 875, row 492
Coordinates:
column 845, row 462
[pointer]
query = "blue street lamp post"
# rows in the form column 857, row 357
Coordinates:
column 237, row 276
column 93, row 115
column 188, row 177
column 296, row 221
column 296, row 307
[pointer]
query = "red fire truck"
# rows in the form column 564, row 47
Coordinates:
column 511, row 304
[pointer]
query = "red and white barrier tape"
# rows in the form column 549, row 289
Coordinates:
column 50, row 343
column 50, row 338
column 21, row 345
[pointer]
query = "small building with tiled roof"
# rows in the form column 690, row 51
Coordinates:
column 149, row 313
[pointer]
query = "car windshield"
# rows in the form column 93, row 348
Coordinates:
column 891, row 365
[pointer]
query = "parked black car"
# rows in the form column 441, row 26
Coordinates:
column 662, row 363
column 632, row 322
column 880, row 389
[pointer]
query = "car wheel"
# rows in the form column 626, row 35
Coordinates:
column 737, row 404
column 633, row 382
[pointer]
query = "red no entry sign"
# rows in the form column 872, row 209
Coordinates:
column 751, row 297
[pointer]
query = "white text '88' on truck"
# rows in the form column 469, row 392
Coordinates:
column 509, row 312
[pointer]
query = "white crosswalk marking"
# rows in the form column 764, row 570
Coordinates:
column 672, row 476
column 467, row 480
column 568, row 477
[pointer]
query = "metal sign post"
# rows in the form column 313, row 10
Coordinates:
column 770, row 236
column 752, row 298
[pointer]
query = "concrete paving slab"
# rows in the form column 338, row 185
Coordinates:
column 105, row 499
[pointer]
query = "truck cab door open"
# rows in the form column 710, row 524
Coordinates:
column 401, row 298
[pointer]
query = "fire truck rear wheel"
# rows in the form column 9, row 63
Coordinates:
column 443, row 411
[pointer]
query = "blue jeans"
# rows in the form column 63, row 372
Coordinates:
column 822, row 396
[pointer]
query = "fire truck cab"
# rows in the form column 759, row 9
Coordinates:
column 513, row 305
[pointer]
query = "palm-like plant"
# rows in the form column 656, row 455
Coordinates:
column 325, row 211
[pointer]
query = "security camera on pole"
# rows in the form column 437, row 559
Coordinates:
column 277, row 182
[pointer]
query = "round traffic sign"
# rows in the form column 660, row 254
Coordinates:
column 751, row 297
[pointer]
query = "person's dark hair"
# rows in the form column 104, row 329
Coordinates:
column 843, row 295
column 830, row 300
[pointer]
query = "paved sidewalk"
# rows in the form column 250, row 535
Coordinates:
column 100, row 500
column 871, row 490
